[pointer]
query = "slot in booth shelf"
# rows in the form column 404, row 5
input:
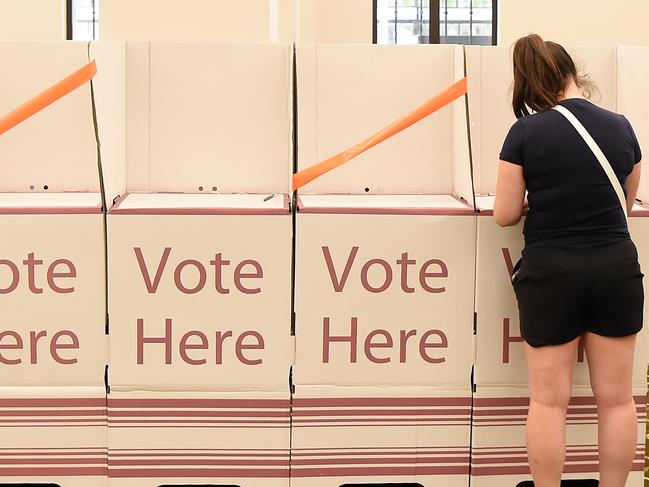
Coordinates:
column 186, row 203
column 415, row 204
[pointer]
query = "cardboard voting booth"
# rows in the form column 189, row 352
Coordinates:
column 501, row 394
column 200, row 253
column 384, row 257
column 53, row 347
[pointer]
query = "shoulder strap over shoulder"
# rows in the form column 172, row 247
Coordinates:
column 597, row 151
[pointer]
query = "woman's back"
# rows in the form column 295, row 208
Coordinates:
column 590, row 286
column 570, row 197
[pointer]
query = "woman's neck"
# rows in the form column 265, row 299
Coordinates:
column 571, row 91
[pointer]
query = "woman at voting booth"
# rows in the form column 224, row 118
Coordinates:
column 579, row 276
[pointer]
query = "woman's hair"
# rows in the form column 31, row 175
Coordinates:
column 542, row 69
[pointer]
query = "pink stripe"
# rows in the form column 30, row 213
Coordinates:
column 267, row 473
column 238, row 426
column 65, row 412
column 52, row 449
column 518, row 422
column 53, row 471
column 525, row 470
column 199, row 421
column 383, row 412
column 53, row 453
column 323, row 210
column 524, row 459
column 381, row 401
column 118, row 210
column 374, row 423
column 378, row 448
column 373, row 471
column 51, row 461
column 523, row 412
column 379, row 461
column 53, row 402
column 206, row 462
column 200, row 414
column 378, row 420
column 51, row 210
column 522, row 417
column 199, row 403
column 200, row 211
column 570, row 449
column 216, row 450
column 523, row 451
column 89, row 422
column 525, row 401
column 143, row 454
column 381, row 453
column 571, row 419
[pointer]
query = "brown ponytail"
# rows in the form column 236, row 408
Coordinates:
column 541, row 71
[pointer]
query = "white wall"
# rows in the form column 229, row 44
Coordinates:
column 185, row 20
column 576, row 21
column 344, row 21
column 329, row 21
column 42, row 20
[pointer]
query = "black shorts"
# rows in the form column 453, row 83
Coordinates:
column 564, row 291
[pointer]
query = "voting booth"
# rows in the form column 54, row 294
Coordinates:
column 200, row 249
column 384, row 273
column 501, row 397
column 53, row 345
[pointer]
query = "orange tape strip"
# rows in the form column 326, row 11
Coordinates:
column 47, row 97
column 437, row 102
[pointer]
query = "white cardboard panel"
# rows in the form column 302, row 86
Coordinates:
column 384, row 301
column 110, row 100
column 137, row 116
column 397, row 434
column 490, row 84
column 633, row 98
column 49, row 201
column 162, row 201
column 232, row 332
column 55, row 147
column 346, row 93
column 198, row 438
column 54, row 434
column 495, row 115
column 220, row 117
column 381, row 201
column 53, row 302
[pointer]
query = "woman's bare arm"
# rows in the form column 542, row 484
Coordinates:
column 510, row 194
column 632, row 183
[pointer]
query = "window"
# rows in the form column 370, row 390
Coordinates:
column 82, row 20
column 435, row 21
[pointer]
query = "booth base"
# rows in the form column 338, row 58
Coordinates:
column 53, row 435
column 198, row 438
column 372, row 435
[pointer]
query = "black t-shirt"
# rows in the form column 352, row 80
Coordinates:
column 571, row 200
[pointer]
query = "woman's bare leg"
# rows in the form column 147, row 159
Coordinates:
column 610, row 363
column 550, row 379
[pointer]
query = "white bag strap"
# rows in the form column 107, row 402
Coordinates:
column 606, row 165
